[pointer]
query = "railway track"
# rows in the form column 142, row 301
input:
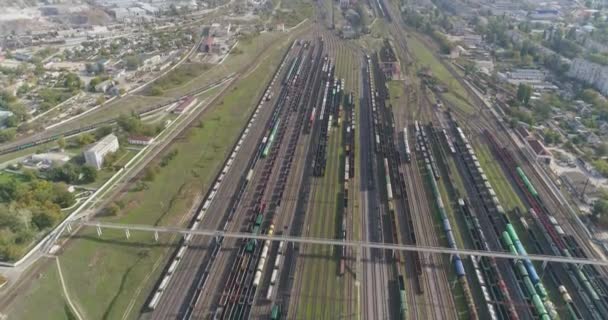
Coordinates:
column 191, row 275
column 439, row 303
column 378, row 272
column 483, row 120
column 351, row 69
column 270, row 202
column 276, row 292
column 323, row 258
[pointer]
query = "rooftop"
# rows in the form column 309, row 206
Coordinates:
column 109, row 139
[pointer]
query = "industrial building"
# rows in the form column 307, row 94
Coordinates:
column 96, row 152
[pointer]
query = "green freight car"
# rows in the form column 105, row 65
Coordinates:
column 275, row 313
column 402, row 298
column 271, row 139
column 527, row 182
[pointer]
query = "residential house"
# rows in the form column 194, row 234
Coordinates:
column 593, row 139
column 603, row 127
column 104, row 86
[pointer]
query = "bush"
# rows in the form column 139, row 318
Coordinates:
column 111, row 210
column 7, row 135
column 43, row 220
column 168, row 157
column 156, row 91
column 150, row 173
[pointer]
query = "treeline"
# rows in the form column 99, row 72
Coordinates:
column 28, row 205
column 133, row 125
column 428, row 24
column 72, row 174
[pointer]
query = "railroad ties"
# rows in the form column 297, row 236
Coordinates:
column 386, row 149
column 349, row 168
column 202, row 273
column 586, row 281
column 503, row 306
column 246, row 276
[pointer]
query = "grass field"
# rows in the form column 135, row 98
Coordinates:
column 110, row 277
column 504, row 191
column 177, row 77
column 45, row 291
column 397, row 97
column 292, row 12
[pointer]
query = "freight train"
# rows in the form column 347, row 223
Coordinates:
column 502, row 303
column 246, row 274
column 553, row 233
column 406, row 146
column 510, row 240
column 456, row 260
column 536, row 291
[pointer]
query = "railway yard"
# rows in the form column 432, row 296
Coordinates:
column 337, row 149
column 328, row 154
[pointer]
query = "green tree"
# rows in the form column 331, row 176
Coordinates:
column 156, row 91
column 61, row 143
column 150, row 173
column 133, row 62
column 61, row 196
column 89, row 174
column 524, row 92
column 67, row 173
column 8, row 191
column 85, row 138
column 601, row 166
column 42, row 219
column 72, row 82
column 112, row 209
column 102, row 132
column 600, row 210
column 551, row 136
column 602, row 149
column 11, row 121
column 90, row 68
column 7, row 134
column 23, row 89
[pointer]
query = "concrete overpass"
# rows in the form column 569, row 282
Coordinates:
column 336, row 242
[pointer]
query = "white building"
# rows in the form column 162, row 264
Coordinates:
column 592, row 73
column 472, row 40
column 526, row 76
column 140, row 140
column 94, row 155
